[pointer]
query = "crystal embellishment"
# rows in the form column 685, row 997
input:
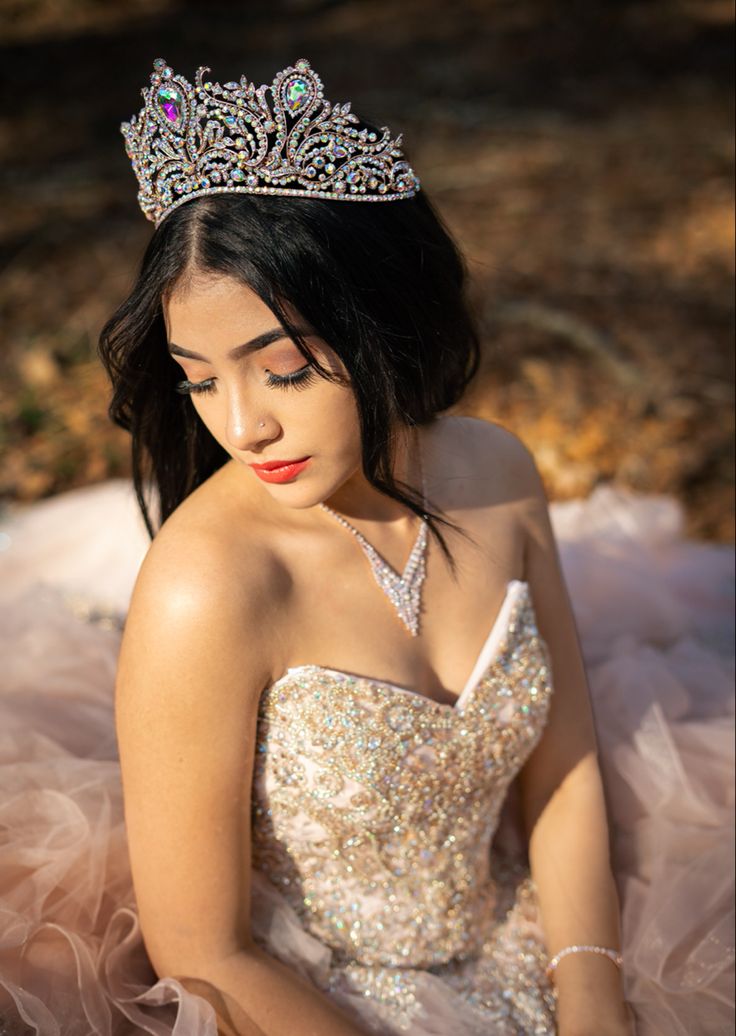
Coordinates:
column 405, row 590
column 169, row 101
column 296, row 94
column 202, row 138
column 385, row 847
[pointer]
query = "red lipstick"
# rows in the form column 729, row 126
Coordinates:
column 280, row 470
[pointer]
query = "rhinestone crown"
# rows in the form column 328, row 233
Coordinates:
column 191, row 140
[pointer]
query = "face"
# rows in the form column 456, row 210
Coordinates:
column 258, row 395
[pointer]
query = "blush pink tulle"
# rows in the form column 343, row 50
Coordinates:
column 655, row 617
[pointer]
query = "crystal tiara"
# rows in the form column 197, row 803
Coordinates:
column 188, row 141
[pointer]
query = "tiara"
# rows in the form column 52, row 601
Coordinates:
column 193, row 140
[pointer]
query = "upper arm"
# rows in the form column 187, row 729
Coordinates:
column 191, row 668
column 568, row 743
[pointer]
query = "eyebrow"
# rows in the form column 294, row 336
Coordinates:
column 259, row 342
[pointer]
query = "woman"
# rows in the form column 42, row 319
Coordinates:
column 375, row 291
column 317, row 736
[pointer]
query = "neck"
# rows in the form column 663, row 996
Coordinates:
column 357, row 498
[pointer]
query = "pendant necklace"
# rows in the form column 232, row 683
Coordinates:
column 405, row 590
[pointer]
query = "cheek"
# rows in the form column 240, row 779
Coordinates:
column 211, row 412
column 333, row 413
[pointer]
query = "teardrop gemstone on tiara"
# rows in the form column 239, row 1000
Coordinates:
column 296, row 94
column 169, row 101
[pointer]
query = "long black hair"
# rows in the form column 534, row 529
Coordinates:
column 383, row 284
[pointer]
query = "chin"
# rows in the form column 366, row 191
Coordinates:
column 295, row 495
column 300, row 495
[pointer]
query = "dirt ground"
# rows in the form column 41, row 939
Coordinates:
column 581, row 152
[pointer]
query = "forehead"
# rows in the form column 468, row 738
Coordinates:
column 214, row 299
column 211, row 316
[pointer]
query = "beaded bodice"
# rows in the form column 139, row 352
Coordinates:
column 374, row 807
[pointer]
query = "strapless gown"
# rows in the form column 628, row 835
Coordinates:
column 388, row 862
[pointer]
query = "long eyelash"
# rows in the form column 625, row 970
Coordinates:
column 189, row 388
column 299, row 379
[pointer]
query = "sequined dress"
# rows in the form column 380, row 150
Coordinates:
column 388, row 865
column 374, row 811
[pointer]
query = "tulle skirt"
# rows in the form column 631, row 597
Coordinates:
column 655, row 616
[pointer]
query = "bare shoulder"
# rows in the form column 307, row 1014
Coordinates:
column 195, row 657
column 500, row 456
column 207, row 580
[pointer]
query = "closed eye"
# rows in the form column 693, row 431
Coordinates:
column 189, row 388
column 299, row 379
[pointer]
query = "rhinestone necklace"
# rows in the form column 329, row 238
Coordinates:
column 405, row 590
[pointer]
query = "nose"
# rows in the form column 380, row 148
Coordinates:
column 247, row 426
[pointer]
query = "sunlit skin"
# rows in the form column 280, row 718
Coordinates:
column 235, row 389
column 232, row 387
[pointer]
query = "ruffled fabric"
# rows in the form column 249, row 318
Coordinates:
column 655, row 617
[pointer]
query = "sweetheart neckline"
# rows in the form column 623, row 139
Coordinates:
column 487, row 657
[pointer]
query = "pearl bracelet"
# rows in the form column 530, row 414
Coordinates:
column 614, row 955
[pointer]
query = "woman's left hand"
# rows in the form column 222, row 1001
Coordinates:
column 582, row 1023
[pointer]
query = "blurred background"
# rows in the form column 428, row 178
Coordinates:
column 581, row 152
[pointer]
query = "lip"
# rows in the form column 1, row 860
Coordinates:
column 280, row 471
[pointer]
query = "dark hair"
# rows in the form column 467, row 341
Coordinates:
column 382, row 283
